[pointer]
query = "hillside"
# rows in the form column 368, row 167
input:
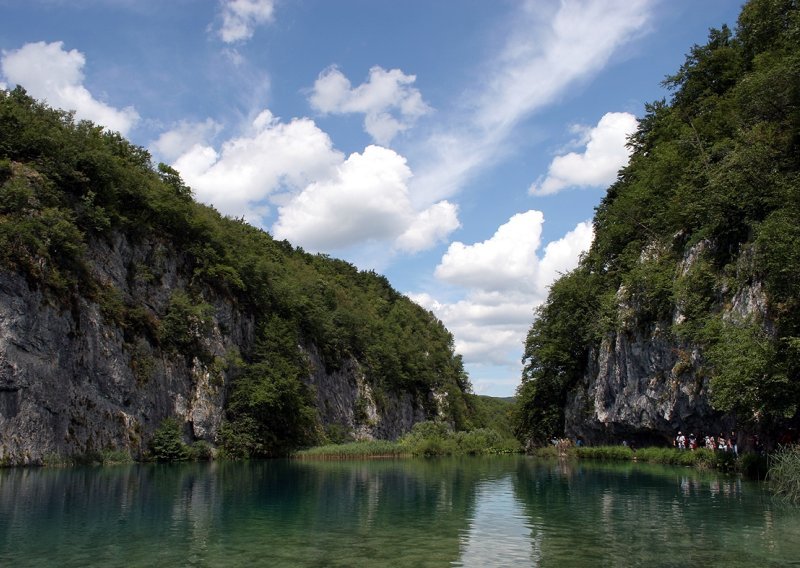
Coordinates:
column 123, row 302
column 685, row 313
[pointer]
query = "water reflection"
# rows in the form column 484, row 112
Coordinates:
column 468, row 512
column 499, row 533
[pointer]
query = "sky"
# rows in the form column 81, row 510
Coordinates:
column 457, row 146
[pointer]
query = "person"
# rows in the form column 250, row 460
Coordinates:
column 721, row 443
column 733, row 444
column 681, row 440
column 692, row 441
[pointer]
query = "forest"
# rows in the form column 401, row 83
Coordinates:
column 713, row 185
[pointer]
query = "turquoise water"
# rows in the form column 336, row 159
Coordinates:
column 512, row 511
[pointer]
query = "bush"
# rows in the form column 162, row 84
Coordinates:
column 754, row 466
column 167, row 443
column 201, row 451
column 605, row 453
column 437, row 439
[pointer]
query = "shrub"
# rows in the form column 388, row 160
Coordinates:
column 167, row 443
column 604, row 452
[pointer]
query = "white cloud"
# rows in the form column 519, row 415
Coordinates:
column 505, row 278
column 429, row 227
column 366, row 200
column 3, row 86
column 551, row 48
column 387, row 99
column 326, row 202
column 241, row 17
column 597, row 166
column 507, row 260
column 173, row 143
column 50, row 73
column 272, row 156
column 562, row 255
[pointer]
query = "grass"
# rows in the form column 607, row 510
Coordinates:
column 784, row 473
column 426, row 439
column 355, row 450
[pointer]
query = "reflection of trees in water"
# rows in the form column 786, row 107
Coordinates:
column 404, row 512
column 638, row 514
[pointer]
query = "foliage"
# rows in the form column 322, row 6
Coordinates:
column 555, row 353
column 492, row 412
column 167, row 443
column 784, row 473
column 708, row 205
column 750, row 379
column 438, row 439
column 604, row 452
column 354, row 450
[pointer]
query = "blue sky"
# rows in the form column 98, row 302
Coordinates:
column 457, row 146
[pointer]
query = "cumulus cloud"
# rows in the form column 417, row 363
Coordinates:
column 504, row 278
column 605, row 153
column 49, row 72
column 366, row 200
column 241, row 17
column 325, row 202
column 387, row 99
column 272, row 156
column 507, row 259
column 429, row 227
column 186, row 134
column 551, row 48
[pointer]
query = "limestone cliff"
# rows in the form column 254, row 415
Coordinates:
column 645, row 381
column 73, row 382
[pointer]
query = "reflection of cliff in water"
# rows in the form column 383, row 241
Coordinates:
column 637, row 514
column 409, row 512
column 463, row 512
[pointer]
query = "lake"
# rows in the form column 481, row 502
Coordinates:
column 498, row 511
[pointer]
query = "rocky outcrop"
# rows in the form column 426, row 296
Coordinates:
column 346, row 400
column 642, row 386
column 644, row 383
column 74, row 381
column 71, row 383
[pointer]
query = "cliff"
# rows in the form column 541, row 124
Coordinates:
column 72, row 385
column 123, row 303
column 646, row 380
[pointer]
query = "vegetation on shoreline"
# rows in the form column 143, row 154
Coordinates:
column 426, row 439
column 784, row 473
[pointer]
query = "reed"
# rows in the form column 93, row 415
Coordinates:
column 783, row 475
column 354, row 450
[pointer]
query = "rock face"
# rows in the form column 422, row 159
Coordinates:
column 642, row 386
column 345, row 399
column 644, row 383
column 73, row 382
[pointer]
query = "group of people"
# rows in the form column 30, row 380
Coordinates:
column 718, row 443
